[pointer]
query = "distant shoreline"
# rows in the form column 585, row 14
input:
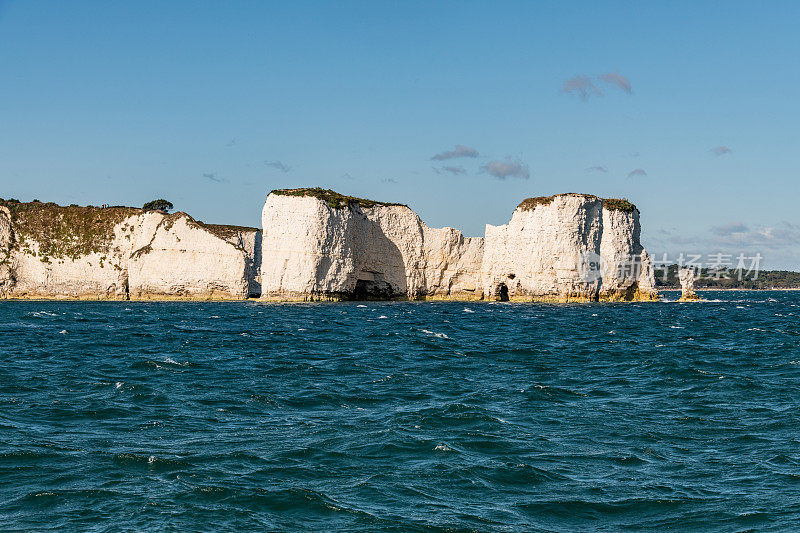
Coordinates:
column 715, row 289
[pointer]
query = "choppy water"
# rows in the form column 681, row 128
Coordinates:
column 401, row 416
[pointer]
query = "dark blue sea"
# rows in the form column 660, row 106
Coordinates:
column 125, row 416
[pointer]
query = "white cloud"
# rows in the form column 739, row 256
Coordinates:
column 459, row 151
column 510, row 168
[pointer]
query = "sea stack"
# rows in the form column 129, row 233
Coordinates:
column 686, row 277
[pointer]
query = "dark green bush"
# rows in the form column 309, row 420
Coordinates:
column 158, row 205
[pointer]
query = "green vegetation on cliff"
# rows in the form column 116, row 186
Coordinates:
column 618, row 204
column 64, row 232
column 225, row 231
column 612, row 204
column 332, row 198
column 529, row 204
column 69, row 232
column 158, row 205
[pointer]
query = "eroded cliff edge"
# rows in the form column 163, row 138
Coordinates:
column 321, row 245
column 52, row 251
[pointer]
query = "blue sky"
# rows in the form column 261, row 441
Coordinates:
column 213, row 104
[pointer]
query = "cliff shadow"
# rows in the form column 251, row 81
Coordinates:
column 254, row 274
column 381, row 270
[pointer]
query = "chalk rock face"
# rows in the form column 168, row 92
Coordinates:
column 452, row 264
column 185, row 259
column 248, row 240
column 568, row 247
column 537, row 255
column 686, row 277
column 5, row 228
column 320, row 245
column 6, row 278
column 121, row 253
column 626, row 268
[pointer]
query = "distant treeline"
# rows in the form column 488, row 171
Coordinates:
column 729, row 279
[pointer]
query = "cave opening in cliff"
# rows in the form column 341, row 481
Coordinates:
column 372, row 290
column 502, row 292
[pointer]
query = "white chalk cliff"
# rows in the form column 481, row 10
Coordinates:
column 568, row 247
column 49, row 251
column 6, row 278
column 318, row 244
column 338, row 248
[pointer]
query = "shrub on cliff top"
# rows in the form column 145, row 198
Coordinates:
column 158, row 205
column 618, row 204
column 333, row 198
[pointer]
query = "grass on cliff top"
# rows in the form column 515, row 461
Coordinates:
column 225, row 231
column 73, row 231
column 333, row 198
column 64, row 231
column 618, row 204
column 612, row 204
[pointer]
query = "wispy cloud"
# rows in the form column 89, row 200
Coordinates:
column 637, row 172
column 729, row 229
column 617, row 80
column 597, row 168
column 459, row 151
column 213, row 177
column 584, row 86
column 720, row 150
column 581, row 86
column 278, row 165
column 510, row 168
column 456, row 171
column 783, row 235
column 778, row 244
